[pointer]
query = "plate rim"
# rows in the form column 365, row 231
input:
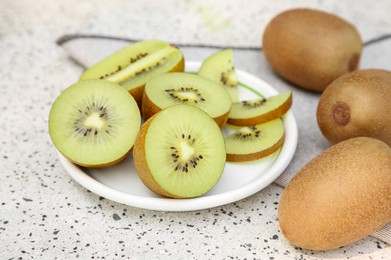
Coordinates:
column 199, row 203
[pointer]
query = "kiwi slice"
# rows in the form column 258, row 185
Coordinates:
column 133, row 65
column 184, row 88
column 219, row 67
column 94, row 123
column 255, row 142
column 180, row 152
column 260, row 110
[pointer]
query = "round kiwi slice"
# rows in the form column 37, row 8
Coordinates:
column 261, row 110
column 255, row 142
column 94, row 123
column 184, row 88
column 219, row 67
column 180, row 152
column 133, row 65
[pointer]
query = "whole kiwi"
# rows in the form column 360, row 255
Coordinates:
column 357, row 104
column 311, row 48
column 339, row 197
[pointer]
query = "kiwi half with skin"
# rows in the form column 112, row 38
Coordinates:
column 261, row 110
column 135, row 64
column 180, row 152
column 184, row 88
column 255, row 142
column 219, row 67
column 94, row 123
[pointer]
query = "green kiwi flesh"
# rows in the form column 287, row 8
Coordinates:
column 260, row 110
column 94, row 123
column 255, row 142
column 184, row 88
column 219, row 67
column 180, row 151
column 133, row 65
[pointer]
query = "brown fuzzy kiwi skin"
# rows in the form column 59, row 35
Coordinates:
column 141, row 163
column 149, row 109
column 222, row 120
column 257, row 155
column 339, row 197
column 311, row 48
column 278, row 112
column 137, row 92
column 357, row 104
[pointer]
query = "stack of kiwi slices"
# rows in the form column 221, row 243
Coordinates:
column 140, row 99
column 261, row 131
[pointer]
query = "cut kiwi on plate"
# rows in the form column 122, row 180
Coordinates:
column 260, row 110
column 219, row 67
column 135, row 64
column 94, row 123
column 180, row 152
column 255, row 142
column 185, row 88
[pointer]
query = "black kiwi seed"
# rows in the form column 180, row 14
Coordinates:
column 255, row 133
column 175, row 94
column 84, row 111
column 119, row 67
column 182, row 165
column 254, row 104
column 138, row 57
column 224, row 78
column 144, row 70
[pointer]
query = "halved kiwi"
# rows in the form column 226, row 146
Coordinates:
column 133, row 65
column 184, row 88
column 261, row 110
column 219, row 67
column 94, row 123
column 255, row 142
column 180, row 152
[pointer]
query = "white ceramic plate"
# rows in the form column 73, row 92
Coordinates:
column 121, row 183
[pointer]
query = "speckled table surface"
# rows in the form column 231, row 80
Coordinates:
column 44, row 214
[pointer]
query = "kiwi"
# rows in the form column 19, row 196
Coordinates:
column 135, row 64
column 94, row 123
column 219, row 67
column 311, row 48
column 255, row 142
column 357, row 104
column 184, row 88
column 260, row 110
column 339, row 197
column 180, row 152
